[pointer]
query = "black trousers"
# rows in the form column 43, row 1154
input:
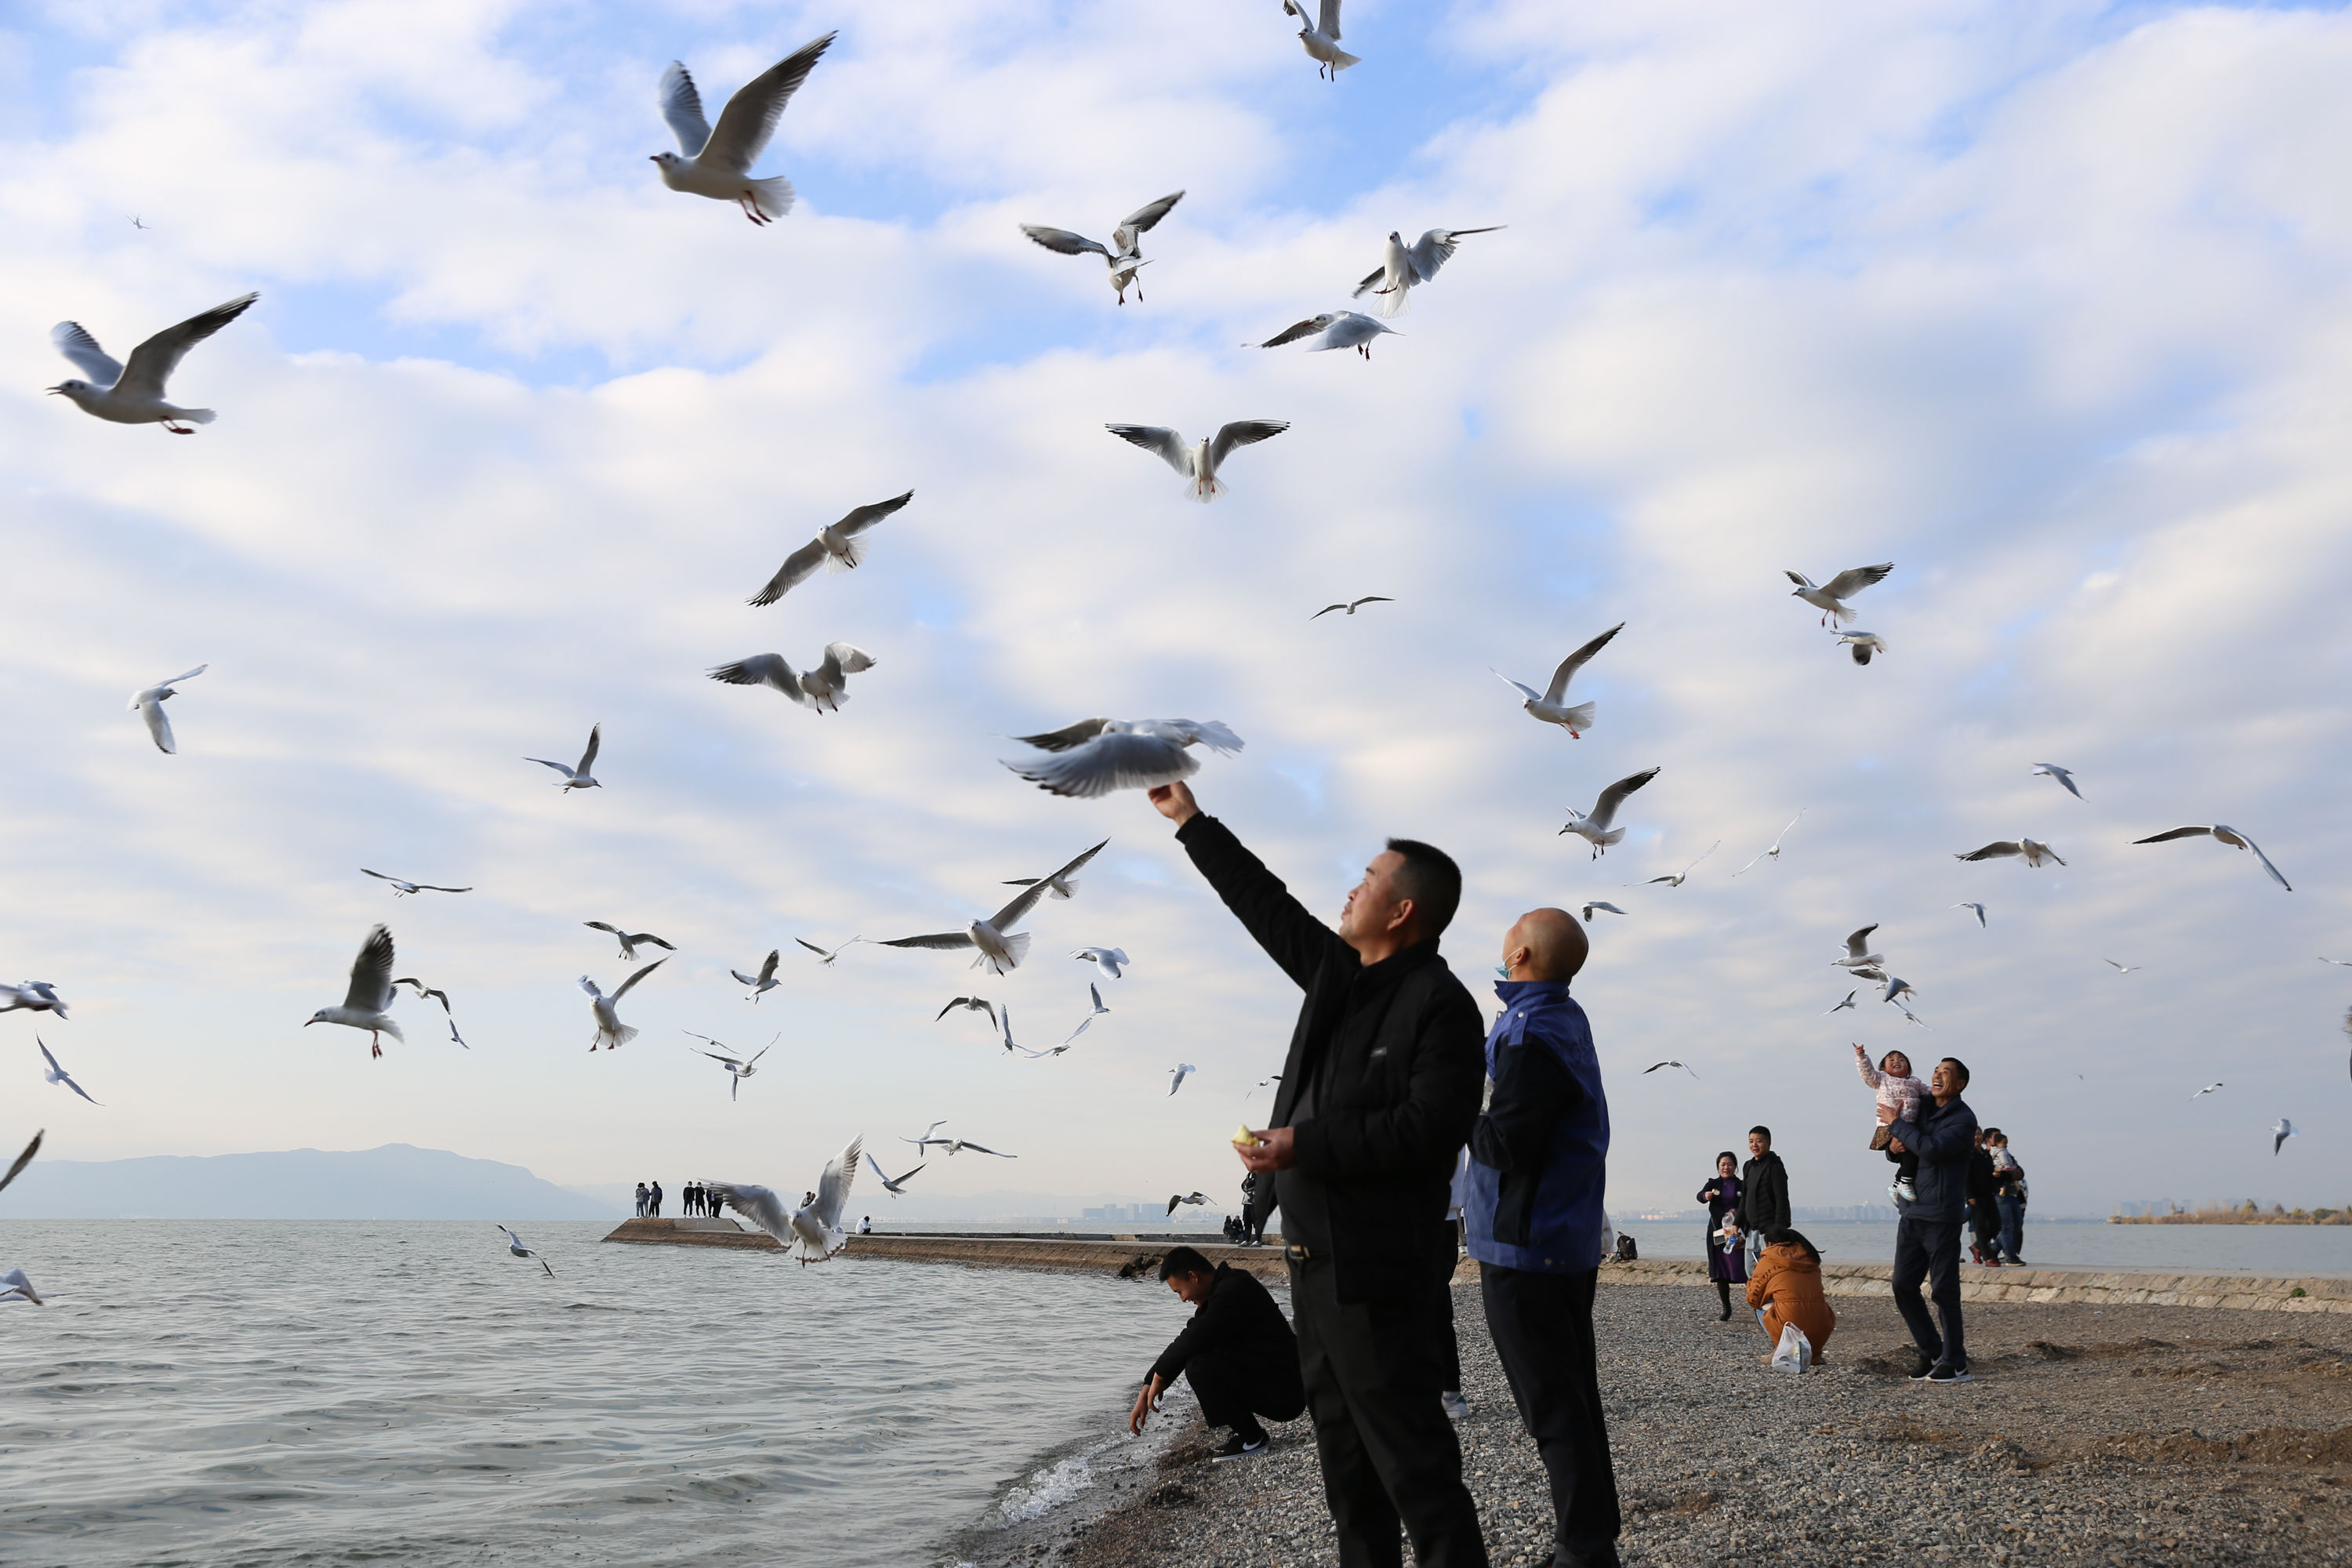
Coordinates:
column 1542, row 1325
column 1388, row 1452
column 1930, row 1250
column 1235, row 1389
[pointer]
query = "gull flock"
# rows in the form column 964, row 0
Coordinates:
column 1085, row 760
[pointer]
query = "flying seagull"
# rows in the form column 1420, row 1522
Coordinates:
column 1655, row 1065
column 1322, row 40
column 32, row 996
column 428, row 994
column 979, row 1005
column 1862, row 645
column 629, row 940
column 1909, row 1016
column 2064, row 775
column 1001, row 948
column 825, row 687
column 1199, row 464
column 2034, row 853
column 926, row 1140
column 1830, row 598
column 1549, row 706
column 401, row 889
column 611, row 1033
column 718, row 164
column 763, row 982
column 2206, row 1090
column 1085, row 1022
column 1979, row 908
column 578, row 777
column 2280, row 1134
column 894, row 1185
column 1176, row 1078
column 1405, row 268
column 149, row 706
column 737, row 1067
column 1123, row 254
column 1857, row 951
column 2225, row 835
column 813, row 1233
column 133, row 393
column 1111, row 960
column 1595, row 828
column 1773, row 853
column 828, row 956
column 2346, row 963
column 368, row 1004
column 957, row 1146
column 837, row 548
column 1004, row 1028
column 56, row 1074
column 17, row 1166
column 2124, row 968
column 1097, row 756
column 516, row 1247
column 1059, row 886
column 1597, row 904
column 1350, row 605
column 14, row 1286
column 1191, row 1199
column 1896, row 989
column 1676, row 879
column 1844, row 1004
column 1333, row 329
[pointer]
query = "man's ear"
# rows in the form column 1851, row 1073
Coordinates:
column 1402, row 913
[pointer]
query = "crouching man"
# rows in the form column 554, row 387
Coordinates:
column 1237, row 1352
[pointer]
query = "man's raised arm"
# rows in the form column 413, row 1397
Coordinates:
column 1294, row 939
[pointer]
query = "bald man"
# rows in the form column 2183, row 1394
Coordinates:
column 1538, row 1172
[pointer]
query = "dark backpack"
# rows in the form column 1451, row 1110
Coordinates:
column 1627, row 1251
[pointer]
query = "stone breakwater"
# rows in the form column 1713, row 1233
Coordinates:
column 1126, row 1257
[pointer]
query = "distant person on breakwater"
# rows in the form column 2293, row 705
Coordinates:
column 653, row 1199
column 1764, row 1188
column 641, row 1200
column 1727, row 1260
column 1379, row 1089
column 1788, row 1289
column 1984, row 1204
column 1928, row 1237
column 1538, row 1169
column 2010, row 1194
column 1237, row 1352
column 866, row 1225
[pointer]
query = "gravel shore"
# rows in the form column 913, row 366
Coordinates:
column 2112, row 1434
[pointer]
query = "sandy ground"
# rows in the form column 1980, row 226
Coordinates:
column 2111, row 1435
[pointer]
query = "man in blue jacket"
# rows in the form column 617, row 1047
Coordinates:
column 1537, row 1169
column 1928, row 1237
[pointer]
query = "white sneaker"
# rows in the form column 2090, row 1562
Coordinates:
column 1457, row 1407
column 1905, row 1192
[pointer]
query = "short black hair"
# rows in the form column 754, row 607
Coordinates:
column 1184, row 1260
column 1781, row 1236
column 1763, row 1132
column 1962, row 1068
column 1727, row 1155
column 1432, row 880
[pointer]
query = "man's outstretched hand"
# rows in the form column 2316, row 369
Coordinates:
column 1145, row 1403
column 1176, row 803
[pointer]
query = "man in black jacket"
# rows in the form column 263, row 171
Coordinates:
column 1763, row 1187
column 1379, row 1092
column 1942, row 1132
column 1237, row 1352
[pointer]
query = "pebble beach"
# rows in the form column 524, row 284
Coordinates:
column 2112, row 1434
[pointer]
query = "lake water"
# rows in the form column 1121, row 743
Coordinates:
column 274, row 1392
column 2176, row 1249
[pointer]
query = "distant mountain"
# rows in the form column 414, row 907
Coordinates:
column 395, row 1182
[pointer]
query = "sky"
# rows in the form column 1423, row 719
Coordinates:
column 2045, row 304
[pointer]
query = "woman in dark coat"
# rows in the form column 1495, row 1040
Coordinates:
column 1721, row 1197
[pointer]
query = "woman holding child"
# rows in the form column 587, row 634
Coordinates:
column 1726, row 1258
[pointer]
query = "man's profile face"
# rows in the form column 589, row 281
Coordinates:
column 1372, row 902
column 1756, row 1144
column 1190, row 1289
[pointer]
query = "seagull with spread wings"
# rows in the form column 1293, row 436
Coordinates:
column 17, row 1166
column 1676, row 879
column 1979, row 908
column 1350, row 605
column 14, row 1286
column 717, row 163
column 1862, row 644
column 2065, row 776
column 1857, row 951
column 737, row 1067
column 1595, row 827
column 1198, row 464
column 32, row 996
column 1124, row 253
column 1655, row 1065
column 56, row 1074
column 837, row 547
column 1332, row 329
column 1097, row 756
column 428, row 994
column 1773, row 852
column 2032, row 853
column 829, row 955
column 2206, row 1090
column 1085, row 1022
column 2124, row 968
column 611, row 1033
column 979, row 1005
column 1597, row 904
column 894, row 1185
column 149, row 706
column 1001, row 948
column 765, row 981
column 1059, row 886
column 1111, row 960
column 812, row 1233
column 2225, row 835
column 629, row 940
column 578, row 777
column 2280, row 1133
column 516, row 1249
column 401, row 888
column 1830, row 598
column 133, row 393
column 1404, row 267
column 1320, row 38
column 1185, row 1200
column 1176, row 1078
column 367, row 1003
column 1843, row 1005
column 1550, row 704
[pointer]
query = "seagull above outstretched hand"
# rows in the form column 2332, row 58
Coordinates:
column 1597, row 904
column 1862, row 644
column 2065, row 776
column 1773, row 852
column 611, row 1033
column 367, row 1005
column 837, row 548
column 133, row 393
column 516, row 1247
column 1404, row 267
column 1551, row 705
column 1844, row 1004
column 1001, row 948
column 1176, row 1078
column 1655, row 1065
column 1322, row 40
column 1124, row 253
column 1979, row 909
column 828, row 956
column 629, row 940
column 2280, row 1133
column 1830, row 598
column 737, row 1067
column 2225, row 835
column 1332, row 329
column 578, row 777
column 894, row 1185
column 1111, row 960
column 1199, row 464
column 1676, row 879
column 32, row 996
column 2206, row 1090
column 717, row 163
column 825, row 689
column 1595, row 828
column 2034, row 854
column 1097, row 756
column 149, row 706
column 56, row 1074
column 428, row 994
column 1058, row 886
column 763, row 982
column 1350, row 605
column 812, row 1233
column 401, row 889
column 1857, row 951
column 1193, row 1200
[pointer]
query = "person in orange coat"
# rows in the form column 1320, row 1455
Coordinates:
column 1787, row 1288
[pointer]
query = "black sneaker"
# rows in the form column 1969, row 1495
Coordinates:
column 1950, row 1375
column 1922, row 1369
column 1234, row 1447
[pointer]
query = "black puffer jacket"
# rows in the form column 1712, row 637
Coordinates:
column 1764, row 1195
column 1394, row 1055
column 1239, row 1319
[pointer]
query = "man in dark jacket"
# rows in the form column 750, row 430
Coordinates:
column 1538, row 1172
column 1763, row 1188
column 1237, row 1352
column 1378, row 1094
column 1943, row 1133
column 1984, row 1211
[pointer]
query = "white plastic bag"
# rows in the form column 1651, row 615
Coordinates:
column 1794, row 1352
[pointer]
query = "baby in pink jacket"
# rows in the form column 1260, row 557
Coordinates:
column 1901, row 1093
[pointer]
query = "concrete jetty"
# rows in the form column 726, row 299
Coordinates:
column 1124, row 1254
